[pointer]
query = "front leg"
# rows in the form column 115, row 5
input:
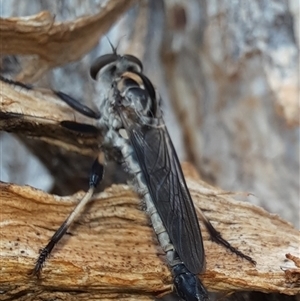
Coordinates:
column 78, row 106
column 95, row 178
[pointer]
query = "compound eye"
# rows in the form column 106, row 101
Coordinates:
column 133, row 59
column 101, row 62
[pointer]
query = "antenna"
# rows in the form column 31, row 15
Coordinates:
column 114, row 49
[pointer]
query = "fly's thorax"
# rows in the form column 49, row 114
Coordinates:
column 128, row 161
column 137, row 101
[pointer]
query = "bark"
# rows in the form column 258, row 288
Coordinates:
column 111, row 251
column 56, row 43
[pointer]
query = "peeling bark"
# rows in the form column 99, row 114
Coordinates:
column 112, row 251
column 56, row 43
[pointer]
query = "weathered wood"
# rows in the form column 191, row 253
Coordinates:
column 56, row 43
column 38, row 114
column 111, row 250
column 68, row 155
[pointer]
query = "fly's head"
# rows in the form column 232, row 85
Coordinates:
column 108, row 67
column 131, row 96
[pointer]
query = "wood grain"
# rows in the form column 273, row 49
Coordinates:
column 38, row 114
column 111, row 251
column 55, row 43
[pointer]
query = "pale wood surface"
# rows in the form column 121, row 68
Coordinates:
column 56, row 43
column 38, row 113
column 112, row 250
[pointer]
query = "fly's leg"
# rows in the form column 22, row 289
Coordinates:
column 79, row 127
column 72, row 102
column 76, row 105
column 95, row 177
column 216, row 237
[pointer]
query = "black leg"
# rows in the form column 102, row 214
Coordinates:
column 95, row 178
column 80, row 127
column 76, row 105
column 72, row 102
column 216, row 237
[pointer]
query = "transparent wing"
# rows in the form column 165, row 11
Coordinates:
column 162, row 171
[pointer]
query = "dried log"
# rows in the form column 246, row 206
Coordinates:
column 111, row 251
column 67, row 154
column 38, row 113
column 56, row 43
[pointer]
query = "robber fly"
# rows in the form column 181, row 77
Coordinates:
column 129, row 103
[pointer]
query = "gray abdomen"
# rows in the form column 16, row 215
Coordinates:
column 140, row 187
